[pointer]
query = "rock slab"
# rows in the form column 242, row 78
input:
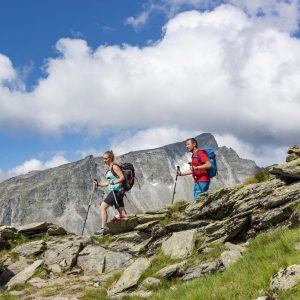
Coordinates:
column 130, row 276
column 24, row 275
column 180, row 244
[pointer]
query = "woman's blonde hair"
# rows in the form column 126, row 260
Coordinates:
column 111, row 155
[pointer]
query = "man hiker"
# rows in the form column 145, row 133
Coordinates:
column 198, row 169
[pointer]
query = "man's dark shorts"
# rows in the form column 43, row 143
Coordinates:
column 111, row 200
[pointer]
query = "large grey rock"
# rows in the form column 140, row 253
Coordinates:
column 150, row 282
column 288, row 170
column 130, row 276
column 180, row 244
column 171, row 270
column 96, row 258
column 32, row 248
column 24, row 275
column 13, row 268
column 286, row 278
column 33, row 227
column 293, row 153
column 62, row 253
column 7, row 232
column 229, row 257
column 261, row 221
column 202, row 269
column 126, row 225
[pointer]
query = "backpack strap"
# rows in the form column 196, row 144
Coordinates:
column 198, row 157
column 112, row 170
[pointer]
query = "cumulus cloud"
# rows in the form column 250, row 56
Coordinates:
column 33, row 165
column 265, row 155
column 279, row 13
column 221, row 71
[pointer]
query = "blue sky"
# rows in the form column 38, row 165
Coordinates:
column 79, row 77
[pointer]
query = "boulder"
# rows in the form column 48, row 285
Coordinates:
column 172, row 270
column 293, row 153
column 202, row 269
column 180, row 244
column 130, row 247
column 126, row 225
column 24, row 275
column 286, row 278
column 229, row 257
column 150, row 282
column 7, row 232
column 130, row 276
column 13, row 268
column 63, row 252
column 262, row 221
column 94, row 258
column 32, row 248
column 55, row 230
column 33, row 228
column 288, row 170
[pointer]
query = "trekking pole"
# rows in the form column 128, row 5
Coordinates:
column 90, row 202
column 174, row 192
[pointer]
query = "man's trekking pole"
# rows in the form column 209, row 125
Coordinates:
column 178, row 169
column 90, row 202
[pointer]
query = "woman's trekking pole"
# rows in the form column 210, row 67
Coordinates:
column 90, row 202
column 174, row 192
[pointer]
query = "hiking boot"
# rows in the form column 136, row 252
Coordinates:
column 118, row 218
column 99, row 232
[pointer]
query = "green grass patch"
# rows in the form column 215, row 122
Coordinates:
column 258, row 177
column 104, row 241
column 20, row 286
column 176, row 212
column 95, row 294
column 7, row 296
column 250, row 276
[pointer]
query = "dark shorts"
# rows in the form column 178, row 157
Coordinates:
column 111, row 200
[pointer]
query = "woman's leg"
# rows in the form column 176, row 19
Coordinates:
column 103, row 207
column 121, row 210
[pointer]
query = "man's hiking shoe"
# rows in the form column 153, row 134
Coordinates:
column 118, row 218
column 99, row 232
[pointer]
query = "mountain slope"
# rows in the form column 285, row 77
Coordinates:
column 60, row 195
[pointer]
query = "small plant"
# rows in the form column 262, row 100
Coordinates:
column 95, row 294
column 258, row 177
column 7, row 296
column 20, row 286
column 14, row 256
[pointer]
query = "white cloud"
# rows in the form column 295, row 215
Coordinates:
column 149, row 139
column 279, row 13
column 7, row 72
column 33, row 165
column 137, row 22
column 263, row 156
column 220, row 71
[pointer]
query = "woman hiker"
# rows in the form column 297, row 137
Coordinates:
column 115, row 177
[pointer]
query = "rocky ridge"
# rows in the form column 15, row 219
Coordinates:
column 174, row 242
column 60, row 195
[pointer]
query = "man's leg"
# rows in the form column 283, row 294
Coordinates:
column 200, row 188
